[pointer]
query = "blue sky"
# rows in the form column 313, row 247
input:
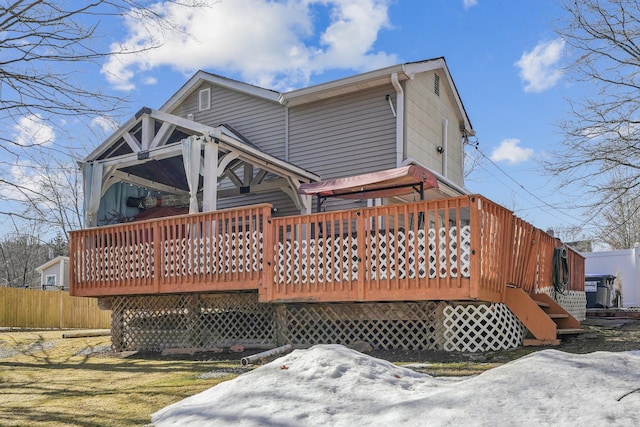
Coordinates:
column 504, row 57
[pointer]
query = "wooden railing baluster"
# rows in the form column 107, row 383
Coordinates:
column 325, row 256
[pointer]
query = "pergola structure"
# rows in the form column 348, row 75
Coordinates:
column 177, row 156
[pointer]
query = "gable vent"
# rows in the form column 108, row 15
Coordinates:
column 204, row 99
column 436, row 84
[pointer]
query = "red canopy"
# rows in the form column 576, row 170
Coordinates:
column 387, row 183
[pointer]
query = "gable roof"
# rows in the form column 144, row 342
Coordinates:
column 228, row 139
column 324, row 90
column 203, row 76
column 57, row 260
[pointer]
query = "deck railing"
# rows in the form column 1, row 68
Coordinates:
column 456, row 249
column 220, row 250
column 411, row 251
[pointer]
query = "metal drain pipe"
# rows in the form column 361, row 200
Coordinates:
column 278, row 350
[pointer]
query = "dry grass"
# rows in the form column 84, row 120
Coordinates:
column 46, row 380
column 451, row 369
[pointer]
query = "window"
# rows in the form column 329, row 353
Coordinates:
column 204, row 99
column 436, row 84
column 51, row 280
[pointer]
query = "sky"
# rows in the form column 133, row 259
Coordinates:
column 505, row 59
column 331, row 385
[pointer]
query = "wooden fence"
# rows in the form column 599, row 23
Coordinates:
column 27, row 308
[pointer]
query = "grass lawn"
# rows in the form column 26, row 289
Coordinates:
column 46, row 380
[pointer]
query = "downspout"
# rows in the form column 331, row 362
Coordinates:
column 445, row 140
column 399, row 119
column 286, row 133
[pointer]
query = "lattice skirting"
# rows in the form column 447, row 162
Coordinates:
column 383, row 325
column 154, row 323
column 575, row 302
column 482, row 327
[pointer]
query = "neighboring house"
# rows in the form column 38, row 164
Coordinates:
column 54, row 274
column 255, row 251
column 624, row 264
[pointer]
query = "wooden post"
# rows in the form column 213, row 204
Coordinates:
column 158, row 247
column 362, row 250
column 475, row 212
column 267, row 270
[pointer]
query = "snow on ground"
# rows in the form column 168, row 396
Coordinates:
column 331, row 385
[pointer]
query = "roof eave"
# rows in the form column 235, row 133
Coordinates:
column 341, row 86
column 203, row 76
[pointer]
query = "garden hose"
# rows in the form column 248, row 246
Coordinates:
column 560, row 270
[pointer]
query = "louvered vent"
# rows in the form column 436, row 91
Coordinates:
column 436, row 84
column 204, row 99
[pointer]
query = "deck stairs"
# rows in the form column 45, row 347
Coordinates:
column 545, row 319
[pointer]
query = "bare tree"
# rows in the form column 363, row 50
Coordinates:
column 47, row 48
column 473, row 158
column 20, row 253
column 41, row 38
column 602, row 133
column 620, row 222
column 566, row 233
column 53, row 199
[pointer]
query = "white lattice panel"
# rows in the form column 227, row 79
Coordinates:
column 117, row 263
column 575, row 302
column 391, row 255
column 153, row 323
column 228, row 253
column 483, row 327
column 399, row 325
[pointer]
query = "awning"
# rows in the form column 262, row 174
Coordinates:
column 387, row 183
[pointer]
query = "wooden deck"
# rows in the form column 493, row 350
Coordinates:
column 465, row 248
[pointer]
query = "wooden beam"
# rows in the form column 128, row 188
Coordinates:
column 131, row 159
column 224, row 161
column 277, row 184
column 186, row 124
column 162, row 136
column 259, row 177
column 148, row 131
column 248, row 174
column 131, row 140
column 233, row 177
column 146, row 183
column 210, row 179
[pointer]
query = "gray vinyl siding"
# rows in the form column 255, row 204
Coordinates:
column 259, row 120
column 344, row 136
column 277, row 199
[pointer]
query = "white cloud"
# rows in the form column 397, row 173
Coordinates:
column 32, row 130
column 510, row 151
column 274, row 44
column 539, row 68
column 469, row 3
column 107, row 124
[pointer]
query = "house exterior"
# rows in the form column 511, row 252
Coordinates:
column 54, row 274
column 234, row 161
